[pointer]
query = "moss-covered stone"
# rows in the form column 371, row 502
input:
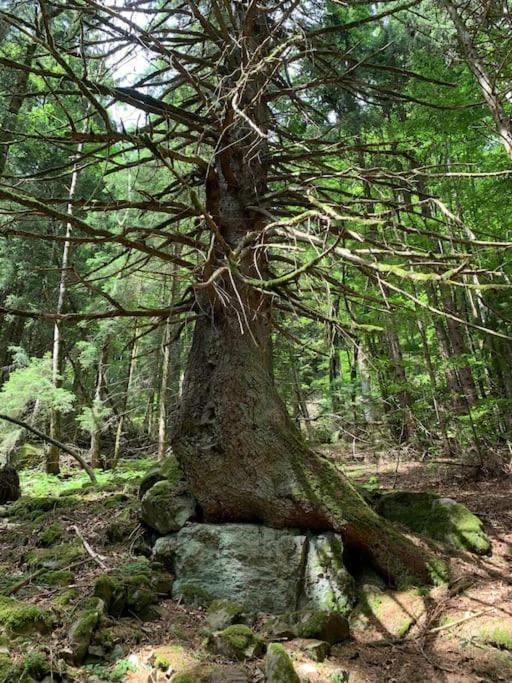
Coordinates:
column 235, row 642
column 81, row 632
column 317, row 650
column 167, row 507
column 331, row 627
column 278, row 666
column 20, row 618
column 441, row 519
column 125, row 595
column 224, row 613
column 168, row 469
column 52, row 534
column 8, row 669
column 56, row 557
column 35, row 664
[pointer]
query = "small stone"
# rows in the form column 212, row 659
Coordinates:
column 330, row 627
column 317, row 650
column 96, row 651
column 81, row 632
column 235, row 642
column 224, row 613
column 278, row 666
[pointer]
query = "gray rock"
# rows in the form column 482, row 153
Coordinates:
column 327, row 584
column 81, row 632
column 278, row 666
column 224, row 613
column 317, row 650
column 166, row 508
column 211, row 673
column 267, row 570
column 255, row 565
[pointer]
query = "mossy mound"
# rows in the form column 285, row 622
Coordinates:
column 278, row 666
column 30, row 508
column 21, row 618
column 235, row 642
column 441, row 519
column 125, row 595
column 61, row 577
column 56, row 557
column 51, row 535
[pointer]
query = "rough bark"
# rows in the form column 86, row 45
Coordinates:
column 242, row 455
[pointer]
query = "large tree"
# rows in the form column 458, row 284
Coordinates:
column 251, row 179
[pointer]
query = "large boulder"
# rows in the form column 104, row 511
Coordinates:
column 9, row 485
column 267, row 570
column 441, row 519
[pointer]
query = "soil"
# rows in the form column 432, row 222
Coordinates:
column 450, row 635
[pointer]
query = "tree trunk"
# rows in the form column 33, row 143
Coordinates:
column 95, row 448
column 243, row 457
column 52, row 456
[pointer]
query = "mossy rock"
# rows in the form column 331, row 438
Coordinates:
column 166, row 470
column 167, row 507
column 441, row 519
column 51, row 535
column 279, row 666
column 235, row 642
column 9, row 672
column 35, row 664
column 331, row 627
column 317, row 650
column 211, row 673
column 56, row 557
column 125, row 595
column 224, row 613
column 81, row 632
column 21, row 618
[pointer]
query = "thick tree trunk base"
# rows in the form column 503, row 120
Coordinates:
column 245, row 460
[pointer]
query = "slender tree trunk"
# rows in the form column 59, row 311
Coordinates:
column 303, row 412
column 501, row 119
column 52, row 457
column 126, row 397
column 95, row 449
column 165, row 374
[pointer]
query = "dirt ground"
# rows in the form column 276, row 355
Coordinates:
column 458, row 633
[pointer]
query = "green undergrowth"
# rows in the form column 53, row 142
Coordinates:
column 37, row 483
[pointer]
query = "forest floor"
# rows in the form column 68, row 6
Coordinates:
column 454, row 634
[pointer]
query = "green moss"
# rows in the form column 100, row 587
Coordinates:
column 19, row 618
column 426, row 513
column 8, row 670
column 238, row 635
column 56, row 557
column 161, row 662
column 65, row 598
column 498, row 635
column 195, row 595
column 278, row 665
column 35, row 663
column 52, row 534
column 56, row 578
column 235, row 642
column 31, row 508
